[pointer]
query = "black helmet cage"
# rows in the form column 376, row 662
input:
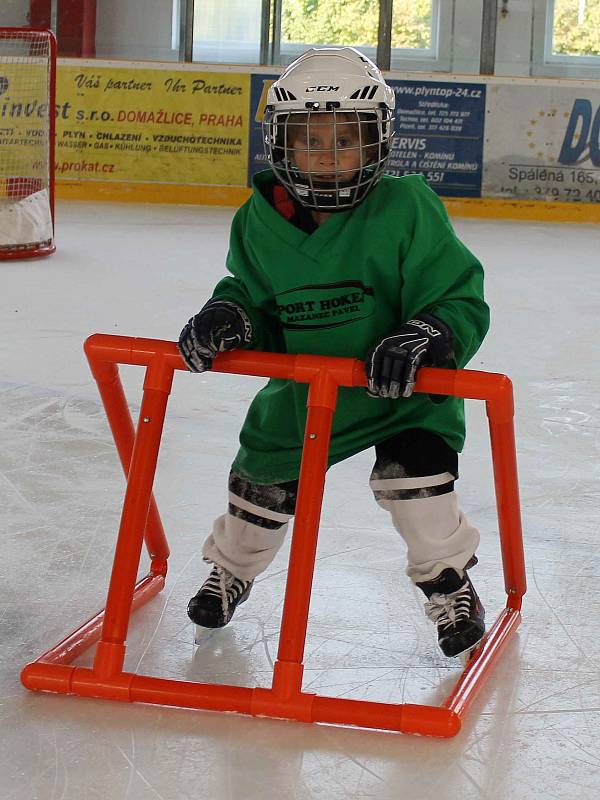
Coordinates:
column 350, row 187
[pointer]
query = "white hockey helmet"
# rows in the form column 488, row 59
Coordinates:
column 328, row 127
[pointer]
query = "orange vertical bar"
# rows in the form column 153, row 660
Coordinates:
column 322, row 397
column 110, row 653
column 500, row 412
column 123, row 431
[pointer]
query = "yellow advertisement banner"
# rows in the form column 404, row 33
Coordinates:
column 152, row 125
column 23, row 120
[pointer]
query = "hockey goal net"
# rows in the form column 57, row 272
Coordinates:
column 27, row 109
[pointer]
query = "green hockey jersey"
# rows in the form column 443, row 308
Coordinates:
column 338, row 291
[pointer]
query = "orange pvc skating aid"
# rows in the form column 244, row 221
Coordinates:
column 140, row 522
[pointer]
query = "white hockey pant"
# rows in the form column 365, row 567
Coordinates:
column 248, row 537
column 424, row 510
column 436, row 533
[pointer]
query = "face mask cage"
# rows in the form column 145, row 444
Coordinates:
column 328, row 160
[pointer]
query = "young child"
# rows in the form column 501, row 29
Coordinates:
column 331, row 257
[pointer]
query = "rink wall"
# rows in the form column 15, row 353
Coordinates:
column 490, row 146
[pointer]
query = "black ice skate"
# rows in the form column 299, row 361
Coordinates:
column 456, row 609
column 217, row 598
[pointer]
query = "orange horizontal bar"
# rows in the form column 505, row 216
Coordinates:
column 41, row 677
column 209, row 696
column 401, row 717
column 104, row 347
column 470, row 384
column 443, row 721
column 127, row 687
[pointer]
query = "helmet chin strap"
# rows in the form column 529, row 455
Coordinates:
column 325, row 195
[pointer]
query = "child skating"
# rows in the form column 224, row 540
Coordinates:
column 330, row 256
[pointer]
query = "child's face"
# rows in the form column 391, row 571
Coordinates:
column 324, row 149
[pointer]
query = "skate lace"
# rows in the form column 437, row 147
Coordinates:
column 218, row 584
column 223, row 584
column 226, row 585
column 449, row 609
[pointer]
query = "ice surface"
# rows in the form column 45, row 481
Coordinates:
column 143, row 270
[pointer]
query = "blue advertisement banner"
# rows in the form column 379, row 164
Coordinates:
column 439, row 133
column 259, row 87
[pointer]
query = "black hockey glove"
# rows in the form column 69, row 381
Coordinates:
column 391, row 365
column 220, row 325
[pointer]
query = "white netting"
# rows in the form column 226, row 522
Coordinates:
column 25, row 141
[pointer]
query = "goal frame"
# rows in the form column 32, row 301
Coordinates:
column 36, row 250
column 140, row 521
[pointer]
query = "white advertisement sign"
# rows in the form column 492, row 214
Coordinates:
column 542, row 142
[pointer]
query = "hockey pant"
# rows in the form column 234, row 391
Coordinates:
column 413, row 479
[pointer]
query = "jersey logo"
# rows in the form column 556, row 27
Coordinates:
column 326, row 305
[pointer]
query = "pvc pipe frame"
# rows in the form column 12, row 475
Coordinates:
column 140, row 522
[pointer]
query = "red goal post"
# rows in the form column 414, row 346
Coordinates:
column 27, row 131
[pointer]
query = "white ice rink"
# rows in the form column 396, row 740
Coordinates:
column 533, row 733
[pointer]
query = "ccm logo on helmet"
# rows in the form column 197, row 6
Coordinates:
column 322, row 88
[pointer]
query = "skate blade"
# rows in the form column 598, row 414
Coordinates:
column 467, row 655
column 202, row 634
